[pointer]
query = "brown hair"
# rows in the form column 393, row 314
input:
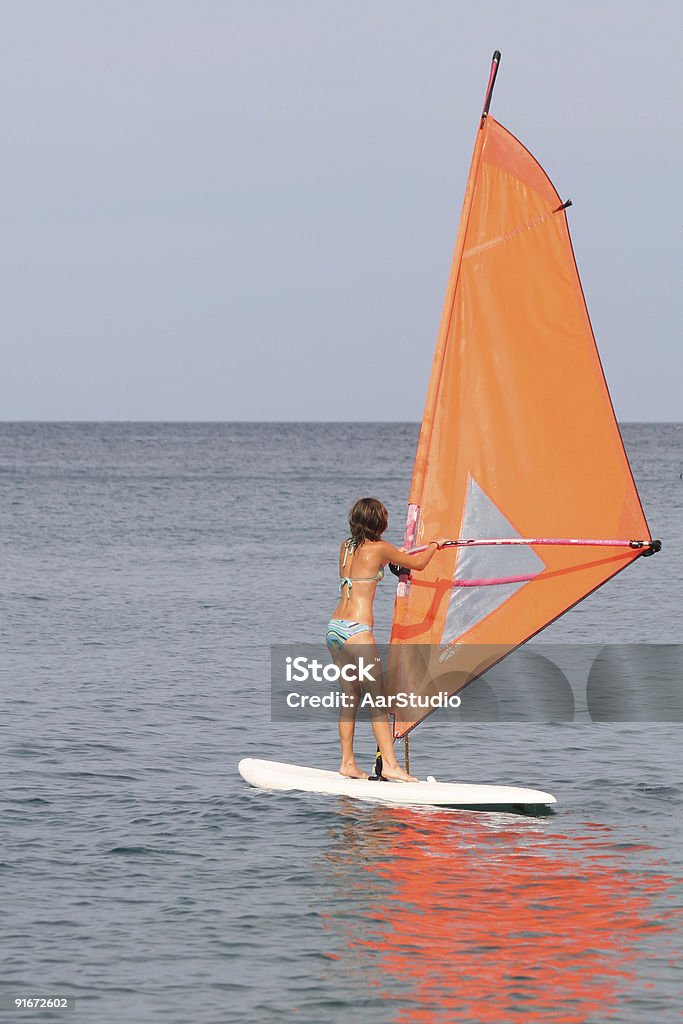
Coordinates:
column 368, row 519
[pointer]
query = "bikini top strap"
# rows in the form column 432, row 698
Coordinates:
column 349, row 545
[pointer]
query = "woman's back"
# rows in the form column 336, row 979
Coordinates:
column 360, row 570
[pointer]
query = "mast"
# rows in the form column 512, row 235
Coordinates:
column 425, row 438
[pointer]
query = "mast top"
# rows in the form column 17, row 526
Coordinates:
column 495, row 61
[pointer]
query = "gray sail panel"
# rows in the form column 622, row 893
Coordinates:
column 469, row 605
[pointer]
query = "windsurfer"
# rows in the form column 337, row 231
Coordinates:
column 362, row 558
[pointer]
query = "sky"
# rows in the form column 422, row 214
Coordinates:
column 247, row 210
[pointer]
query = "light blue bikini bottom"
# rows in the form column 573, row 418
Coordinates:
column 339, row 631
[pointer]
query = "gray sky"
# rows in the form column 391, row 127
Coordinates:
column 246, row 210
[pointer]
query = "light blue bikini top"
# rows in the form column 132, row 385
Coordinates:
column 350, row 545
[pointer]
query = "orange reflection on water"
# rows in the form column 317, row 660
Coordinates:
column 469, row 917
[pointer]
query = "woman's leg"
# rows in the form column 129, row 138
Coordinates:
column 347, row 729
column 363, row 646
column 347, row 720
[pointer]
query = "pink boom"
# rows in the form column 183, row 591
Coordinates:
column 499, row 541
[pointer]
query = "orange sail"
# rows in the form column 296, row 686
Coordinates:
column 519, row 438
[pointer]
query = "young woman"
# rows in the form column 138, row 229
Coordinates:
column 362, row 558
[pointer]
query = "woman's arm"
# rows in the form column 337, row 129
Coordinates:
column 418, row 561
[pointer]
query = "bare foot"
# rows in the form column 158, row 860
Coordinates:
column 396, row 774
column 352, row 771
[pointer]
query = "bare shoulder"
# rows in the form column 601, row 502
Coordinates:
column 385, row 550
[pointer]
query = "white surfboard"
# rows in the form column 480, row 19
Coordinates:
column 276, row 775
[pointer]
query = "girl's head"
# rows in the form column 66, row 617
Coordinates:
column 368, row 519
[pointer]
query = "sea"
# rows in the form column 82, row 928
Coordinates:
column 147, row 568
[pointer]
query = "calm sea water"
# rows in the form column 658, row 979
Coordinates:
column 146, row 569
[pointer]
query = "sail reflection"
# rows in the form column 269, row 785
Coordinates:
column 470, row 917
